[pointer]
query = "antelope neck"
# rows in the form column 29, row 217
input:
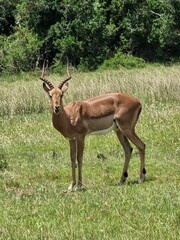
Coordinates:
column 60, row 121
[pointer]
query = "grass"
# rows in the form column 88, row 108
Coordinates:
column 35, row 163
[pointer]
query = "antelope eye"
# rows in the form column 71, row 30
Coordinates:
column 50, row 96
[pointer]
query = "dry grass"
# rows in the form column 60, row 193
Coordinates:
column 148, row 85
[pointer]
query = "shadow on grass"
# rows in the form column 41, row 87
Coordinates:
column 83, row 190
column 133, row 182
column 109, row 184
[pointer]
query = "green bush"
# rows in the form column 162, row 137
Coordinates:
column 123, row 60
column 19, row 52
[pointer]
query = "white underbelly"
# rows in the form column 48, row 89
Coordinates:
column 104, row 131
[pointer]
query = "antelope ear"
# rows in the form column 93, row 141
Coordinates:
column 64, row 88
column 46, row 88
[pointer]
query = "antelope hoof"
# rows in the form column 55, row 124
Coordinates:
column 78, row 188
column 141, row 180
column 71, row 188
column 123, row 179
column 121, row 182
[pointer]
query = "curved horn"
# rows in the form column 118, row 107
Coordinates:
column 42, row 77
column 67, row 79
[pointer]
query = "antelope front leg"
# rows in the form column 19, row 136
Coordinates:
column 73, row 153
column 80, row 150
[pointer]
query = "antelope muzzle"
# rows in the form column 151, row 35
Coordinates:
column 56, row 109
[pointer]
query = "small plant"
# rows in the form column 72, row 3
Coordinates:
column 3, row 163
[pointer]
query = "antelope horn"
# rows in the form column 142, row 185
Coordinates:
column 42, row 77
column 67, row 79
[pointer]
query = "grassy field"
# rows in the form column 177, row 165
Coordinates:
column 35, row 163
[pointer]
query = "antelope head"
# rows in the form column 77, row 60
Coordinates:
column 55, row 94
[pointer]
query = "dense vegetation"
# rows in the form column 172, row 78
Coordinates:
column 87, row 32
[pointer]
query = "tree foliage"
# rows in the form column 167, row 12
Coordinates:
column 7, row 16
column 87, row 32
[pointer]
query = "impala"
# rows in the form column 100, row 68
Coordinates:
column 97, row 115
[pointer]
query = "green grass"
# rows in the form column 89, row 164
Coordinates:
column 35, row 164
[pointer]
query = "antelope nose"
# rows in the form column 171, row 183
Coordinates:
column 56, row 109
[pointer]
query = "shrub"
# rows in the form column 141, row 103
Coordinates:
column 123, row 60
column 19, row 52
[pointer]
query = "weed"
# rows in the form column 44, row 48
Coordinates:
column 3, row 161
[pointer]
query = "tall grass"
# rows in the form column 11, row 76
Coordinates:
column 35, row 163
column 161, row 84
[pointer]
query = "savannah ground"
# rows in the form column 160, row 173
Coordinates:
column 35, row 163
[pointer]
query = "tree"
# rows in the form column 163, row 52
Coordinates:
column 7, row 16
column 88, row 31
column 77, row 29
column 144, row 28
